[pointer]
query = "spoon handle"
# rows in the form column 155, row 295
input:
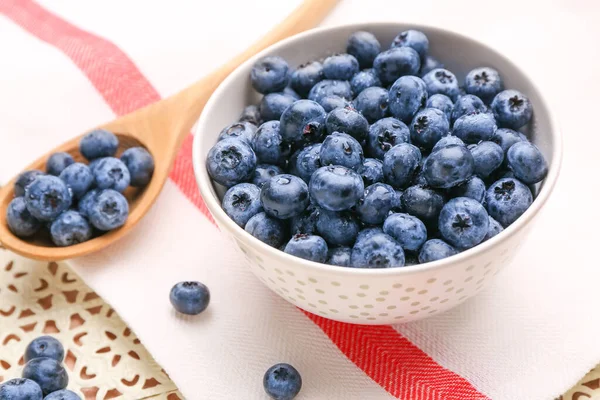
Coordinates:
column 176, row 115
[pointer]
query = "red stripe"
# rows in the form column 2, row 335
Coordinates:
column 382, row 353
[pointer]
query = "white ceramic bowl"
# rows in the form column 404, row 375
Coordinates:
column 375, row 296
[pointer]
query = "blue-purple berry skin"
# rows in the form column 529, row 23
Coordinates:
column 364, row 46
column 20, row 389
column 377, row 202
column 63, row 395
column 347, row 120
column 467, row 104
column 396, row 62
column 435, row 249
column 79, row 178
column 342, row 149
column 473, row 188
column 372, row 103
column 108, row 210
column 98, row 143
column 282, row 382
column 47, row 197
column 190, row 297
column 48, row 373
column 428, row 64
column 24, row 180
column 230, row 162
column 507, row 199
column 339, row 256
column 44, row 346
column 57, row 162
column 423, row 202
column 70, row 228
column 273, row 105
column 340, row 67
column 407, row 230
column 268, row 144
column 407, row 96
column 112, row 173
column 19, row 219
column 364, row 79
column 86, row 202
column 493, row 229
column 400, row 164
column 372, row 171
column 264, row 172
column 308, row 161
column 306, row 76
column 336, row 188
column 427, row 127
column 487, row 156
column 442, row 103
column 251, row 114
column 378, row 250
column 284, row 196
column 414, row 39
column 448, row 167
column 385, row 134
column 242, row 130
column 463, row 222
column 308, row 247
column 473, row 128
column 505, row 138
column 270, row 74
column 527, row 162
column 302, row 122
column 442, row 81
column 241, row 202
column 484, row 82
column 330, row 103
column 330, row 87
column 338, row 228
column 512, row 109
column 448, row 140
column 266, row 229
column 140, row 164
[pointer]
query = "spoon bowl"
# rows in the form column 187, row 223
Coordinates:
column 160, row 128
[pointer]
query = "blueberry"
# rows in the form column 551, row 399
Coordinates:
column 473, row 128
column 268, row 144
column 400, row 164
column 367, row 233
column 407, row 230
column 94, row 163
column 474, row 188
column 48, row 373
column 293, row 161
column 512, row 109
column 282, row 382
column 140, row 164
column 342, row 149
column 19, row 219
column 337, row 228
column 423, row 202
column 442, row 103
column 339, row 256
column 377, row 251
column 305, row 222
column 484, row 82
column 308, row 247
column 46, row 197
column 463, row 222
column 347, row 120
column 340, row 67
column 20, row 389
column 241, row 202
column 251, row 114
column 336, row 188
column 414, row 39
column 507, row 199
column 108, row 210
column 468, row 104
column 112, row 173
column 427, row 128
column 266, row 229
column 364, row 79
column 70, row 228
column 78, row 177
column 364, row 46
column 430, row 63
column 306, row 76
column 44, row 346
column 230, row 162
column 308, row 161
column 527, row 162
column 407, row 96
column 273, row 105
column 372, row 171
column 24, row 179
column 269, row 75
column 494, row 228
column 448, row 167
column 435, row 249
column 385, row 134
column 302, row 122
column 244, row 131
column 506, row 138
column 448, row 140
column 397, row 201
column 376, row 203
column 86, row 202
column 57, row 162
column 289, row 91
column 442, row 81
column 396, row 62
column 330, row 103
column 98, row 143
column 284, row 196
column 63, row 395
column 372, row 103
column 330, row 87
column 264, row 172
column 488, row 157
column 190, row 297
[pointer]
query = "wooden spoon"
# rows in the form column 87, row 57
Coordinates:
column 160, row 127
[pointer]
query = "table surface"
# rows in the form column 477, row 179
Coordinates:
column 104, row 358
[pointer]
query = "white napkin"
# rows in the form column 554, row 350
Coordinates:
column 531, row 335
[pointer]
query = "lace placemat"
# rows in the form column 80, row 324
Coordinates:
column 104, row 358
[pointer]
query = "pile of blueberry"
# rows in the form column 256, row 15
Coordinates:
column 75, row 201
column 447, row 166
column 44, row 377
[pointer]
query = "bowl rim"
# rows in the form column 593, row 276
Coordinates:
column 214, row 206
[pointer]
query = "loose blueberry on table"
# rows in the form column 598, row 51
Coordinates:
column 190, row 297
column 450, row 163
column 282, row 382
column 75, row 201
